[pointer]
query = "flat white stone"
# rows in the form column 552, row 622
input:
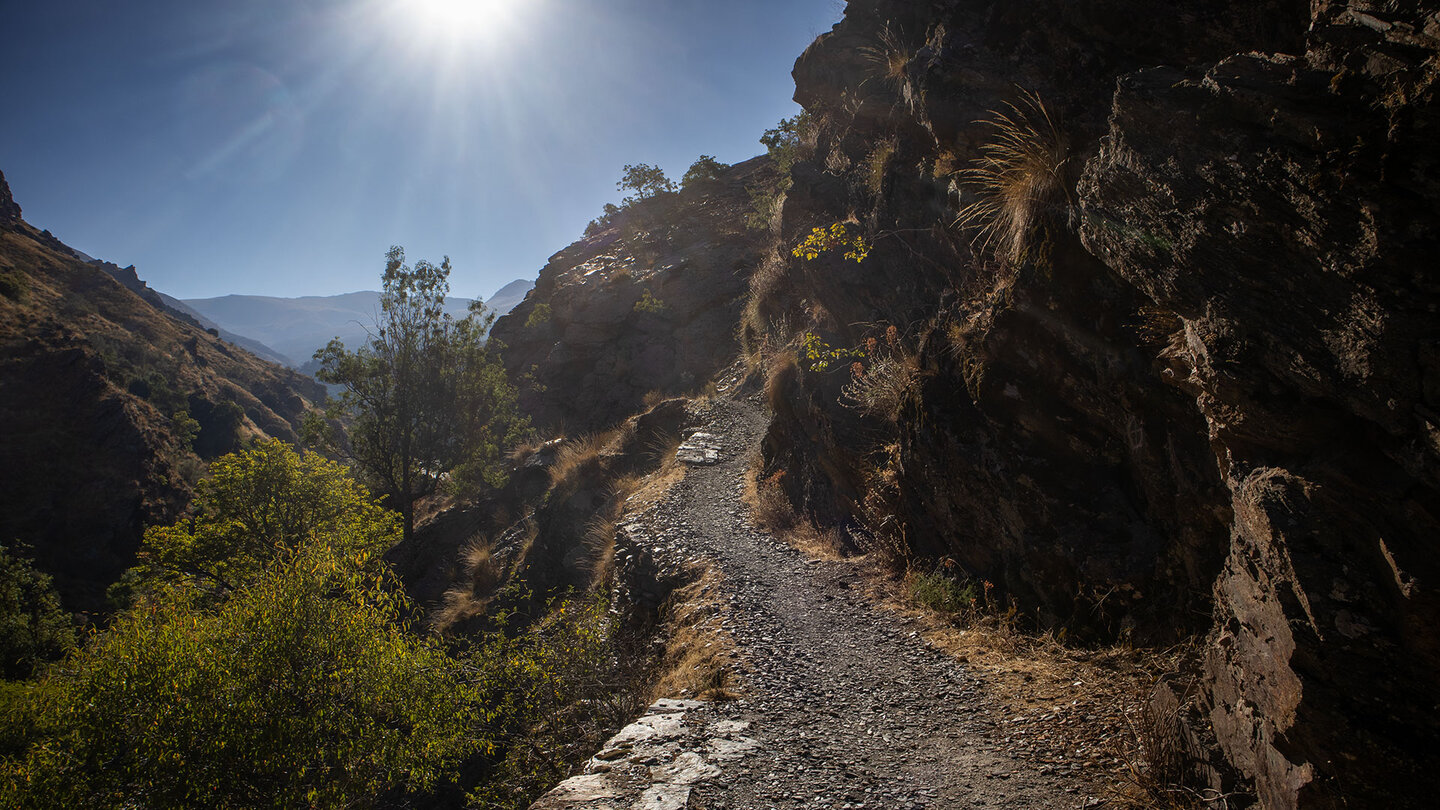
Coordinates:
column 672, row 705
column 578, row 789
column 687, row 769
column 726, row 728
column 664, row 797
column 721, row 748
column 650, row 727
column 700, row 448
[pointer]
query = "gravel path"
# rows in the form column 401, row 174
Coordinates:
column 849, row 705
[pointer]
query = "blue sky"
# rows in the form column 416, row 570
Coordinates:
column 279, row 147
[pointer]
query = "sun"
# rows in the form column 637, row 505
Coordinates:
column 461, row 19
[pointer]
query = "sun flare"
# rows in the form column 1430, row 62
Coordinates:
column 472, row 20
column 461, row 14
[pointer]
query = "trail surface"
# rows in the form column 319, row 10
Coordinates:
column 842, row 705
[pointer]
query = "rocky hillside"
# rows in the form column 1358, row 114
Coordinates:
column 647, row 303
column 92, row 376
column 1166, row 365
column 1140, row 326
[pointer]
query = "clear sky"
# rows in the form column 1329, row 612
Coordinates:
column 279, row 147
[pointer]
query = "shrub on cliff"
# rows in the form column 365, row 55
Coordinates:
column 704, row 171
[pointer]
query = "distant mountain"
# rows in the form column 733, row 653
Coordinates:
column 508, row 297
column 295, row 328
column 251, row 345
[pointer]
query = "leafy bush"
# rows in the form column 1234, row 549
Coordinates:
column 823, row 240
column 941, row 592
column 258, row 503
column 646, row 181
column 649, row 303
column 33, row 627
column 538, row 316
column 704, row 171
column 13, row 285
column 300, row 684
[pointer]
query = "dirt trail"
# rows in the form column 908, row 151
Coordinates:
column 843, row 705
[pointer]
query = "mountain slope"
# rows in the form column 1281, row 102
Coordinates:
column 91, row 375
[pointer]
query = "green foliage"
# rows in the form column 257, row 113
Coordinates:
column 938, row 591
column 538, row 316
column 303, row 690
column 33, row 627
column 821, row 355
column 784, row 141
column 649, row 303
column 555, row 692
column 605, row 220
column 185, row 427
column 260, row 502
column 783, row 144
column 837, row 236
column 13, row 285
column 704, row 171
column 763, row 202
column 427, row 396
column 301, row 686
column 646, row 181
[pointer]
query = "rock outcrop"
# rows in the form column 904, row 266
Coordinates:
column 91, row 376
column 1292, row 229
column 647, row 304
column 1199, row 396
column 9, row 210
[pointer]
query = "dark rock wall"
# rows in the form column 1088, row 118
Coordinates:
column 1207, row 399
column 1288, row 210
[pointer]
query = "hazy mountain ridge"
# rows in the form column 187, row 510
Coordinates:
column 295, row 328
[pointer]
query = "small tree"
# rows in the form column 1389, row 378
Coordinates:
column 646, row 181
column 33, row 627
column 427, row 395
column 702, row 172
column 257, row 503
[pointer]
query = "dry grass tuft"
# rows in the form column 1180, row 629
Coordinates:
column 877, row 163
column 771, row 511
column 881, row 389
column 581, row 453
column 1021, row 179
column 782, row 374
column 889, row 57
column 698, row 651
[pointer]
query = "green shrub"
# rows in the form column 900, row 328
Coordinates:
column 13, row 285
column 704, row 171
column 538, row 316
column 940, row 592
column 33, row 627
column 649, row 303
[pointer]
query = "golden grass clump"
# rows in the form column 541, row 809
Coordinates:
column 1021, row 180
column 888, row 58
column 696, row 661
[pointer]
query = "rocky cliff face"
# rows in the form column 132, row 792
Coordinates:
column 647, row 304
column 9, row 211
column 91, row 376
column 1199, row 394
